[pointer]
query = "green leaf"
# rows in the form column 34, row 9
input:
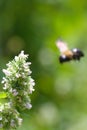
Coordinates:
column 3, row 95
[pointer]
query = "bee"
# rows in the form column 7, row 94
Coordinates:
column 67, row 54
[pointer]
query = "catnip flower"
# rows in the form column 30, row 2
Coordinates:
column 18, row 85
column 9, row 117
column 17, row 81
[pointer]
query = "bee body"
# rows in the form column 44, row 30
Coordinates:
column 64, row 58
column 77, row 54
column 68, row 55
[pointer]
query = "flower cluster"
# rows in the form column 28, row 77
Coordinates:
column 17, row 81
column 9, row 117
column 18, row 86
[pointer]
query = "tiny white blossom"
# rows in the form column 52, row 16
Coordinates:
column 32, row 83
column 1, row 125
column 31, row 89
column 4, row 80
column 22, row 55
column 7, row 73
column 16, row 58
column 1, row 107
column 28, row 105
column 6, row 86
column 14, row 91
column 29, row 72
column 8, row 64
column 26, row 65
column 0, row 118
column 18, row 75
column 20, row 121
column 7, row 105
column 12, row 123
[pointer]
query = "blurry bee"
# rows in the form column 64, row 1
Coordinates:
column 67, row 54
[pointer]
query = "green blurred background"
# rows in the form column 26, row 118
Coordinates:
column 60, row 97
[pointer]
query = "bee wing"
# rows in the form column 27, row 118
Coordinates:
column 62, row 46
